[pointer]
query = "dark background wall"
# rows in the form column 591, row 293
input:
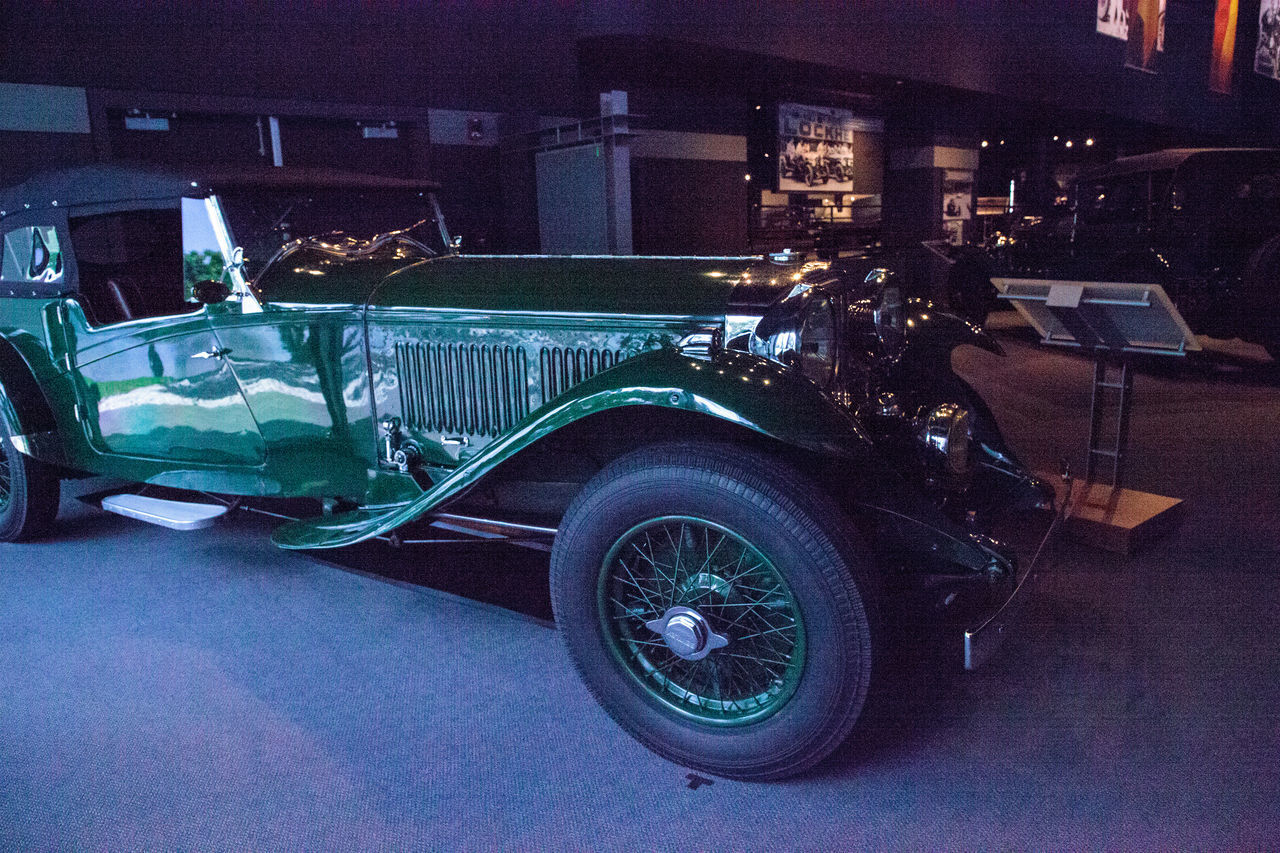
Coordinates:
column 678, row 207
column 939, row 72
column 524, row 56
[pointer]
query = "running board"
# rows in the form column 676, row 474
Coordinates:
column 176, row 515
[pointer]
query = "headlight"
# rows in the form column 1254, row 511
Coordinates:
column 817, row 342
column 946, row 432
column 890, row 315
column 800, row 332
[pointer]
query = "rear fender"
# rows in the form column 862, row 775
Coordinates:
column 26, row 412
column 734, row 387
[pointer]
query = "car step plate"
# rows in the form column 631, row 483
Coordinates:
column 176, row 515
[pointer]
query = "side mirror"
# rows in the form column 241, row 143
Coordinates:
column 210, row 291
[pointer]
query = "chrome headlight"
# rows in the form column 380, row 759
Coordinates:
column 816, row 342
column 800, row 332
column 890, row 313
column 947, row 433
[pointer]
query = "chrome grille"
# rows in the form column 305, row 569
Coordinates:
column 471, row 389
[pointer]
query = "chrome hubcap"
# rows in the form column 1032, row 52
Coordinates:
column 686, row 633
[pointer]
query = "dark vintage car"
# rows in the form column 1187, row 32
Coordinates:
column 748, row 466
column 1202, row 223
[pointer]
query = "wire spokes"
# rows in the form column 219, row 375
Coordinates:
column 698, row 567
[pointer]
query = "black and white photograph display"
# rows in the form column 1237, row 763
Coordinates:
column 815, row 150
column 1113, row 19
column 1266, row 60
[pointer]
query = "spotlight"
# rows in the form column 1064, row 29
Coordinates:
column 1070, row 143
column 1089, row 141
column 985, row 143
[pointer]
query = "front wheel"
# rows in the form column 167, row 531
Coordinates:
column 718, row 607
column 29, row 492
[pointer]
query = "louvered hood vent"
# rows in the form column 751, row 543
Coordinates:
column 563, row 367
column 469, row 389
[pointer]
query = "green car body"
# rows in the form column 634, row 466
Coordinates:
column 391, row 378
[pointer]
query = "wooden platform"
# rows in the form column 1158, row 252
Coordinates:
column 1117, row 520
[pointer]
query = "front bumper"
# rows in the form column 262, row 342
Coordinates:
column 982, row 640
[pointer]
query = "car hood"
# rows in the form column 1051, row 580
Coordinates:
column 701, row 287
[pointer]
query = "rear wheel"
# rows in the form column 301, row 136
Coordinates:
column 29, row 492
column 717, row 607
column 1262, row 295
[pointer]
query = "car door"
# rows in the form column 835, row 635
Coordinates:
column 158, row 388
column 304, row 372
column 151, row 379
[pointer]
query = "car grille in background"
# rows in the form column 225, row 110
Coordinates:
column 562, row 368
column 467, row 389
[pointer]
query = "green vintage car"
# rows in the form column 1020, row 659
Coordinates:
column 749, row 467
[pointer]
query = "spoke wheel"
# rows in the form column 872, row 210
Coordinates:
column 717, row 605
column 6, row 481
column 702, row 620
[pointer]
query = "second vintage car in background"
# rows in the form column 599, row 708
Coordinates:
column 1204, row 223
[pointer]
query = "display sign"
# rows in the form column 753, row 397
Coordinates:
column 825, row 149
column 1113, row 20
column 1266, row 59
column 1224, row 46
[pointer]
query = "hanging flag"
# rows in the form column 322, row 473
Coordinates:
column 1145, row 21
column 1266, row 59
column 1224, row 46
column 1113, row 20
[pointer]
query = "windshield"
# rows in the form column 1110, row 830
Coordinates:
column 262, row 219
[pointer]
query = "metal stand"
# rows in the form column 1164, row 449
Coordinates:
column 1112, row 322
column 1117, row 405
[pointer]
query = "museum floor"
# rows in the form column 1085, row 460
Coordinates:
column 161, row 690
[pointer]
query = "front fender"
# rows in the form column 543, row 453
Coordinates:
column 931, row 333
column 736, row 387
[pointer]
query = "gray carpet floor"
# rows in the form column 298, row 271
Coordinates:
column 204, row 691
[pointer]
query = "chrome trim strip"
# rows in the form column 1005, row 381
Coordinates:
column 575, row 315
column 618, row 257
column 487, row 528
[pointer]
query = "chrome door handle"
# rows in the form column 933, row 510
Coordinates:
column 213, row 353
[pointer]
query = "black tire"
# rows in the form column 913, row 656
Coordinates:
column 1261, row 297
column 29, row 492
column 805, row 710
